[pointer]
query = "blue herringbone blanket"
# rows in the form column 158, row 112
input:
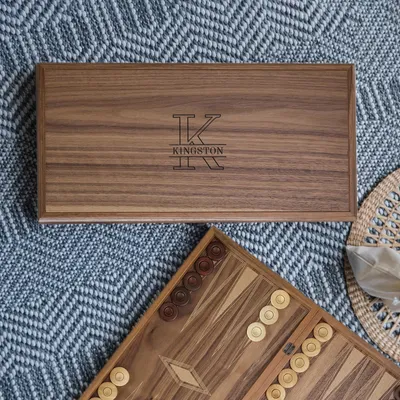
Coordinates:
column 70, row 294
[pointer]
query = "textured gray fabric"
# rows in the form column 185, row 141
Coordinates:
column 69, row 294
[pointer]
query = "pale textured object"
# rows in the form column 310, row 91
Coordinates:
column 377, row 271
column 377, row 225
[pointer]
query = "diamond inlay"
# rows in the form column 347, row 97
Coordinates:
column 185, row 375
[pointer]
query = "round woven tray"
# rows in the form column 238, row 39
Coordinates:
column 377, row 224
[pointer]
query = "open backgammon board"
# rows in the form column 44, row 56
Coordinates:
column 226, row 327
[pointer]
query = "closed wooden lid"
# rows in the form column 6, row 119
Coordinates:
column 287, row 378
column 180, row 296
column 216, row 250
column 323, row 332
column 107, row 391
column 299, row 362
column 280, row 299
column 119, row 376
column 311, row 347
column 256, row 331
column 269, row 315
column 204, row 266
column 195, row 142
column 276, row 392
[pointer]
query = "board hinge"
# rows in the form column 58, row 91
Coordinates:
column 289, row 348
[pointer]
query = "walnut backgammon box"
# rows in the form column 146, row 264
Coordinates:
column 228, row 328
column 196, row 142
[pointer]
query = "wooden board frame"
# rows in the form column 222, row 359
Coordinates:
column 55, row 216
column 314, row 316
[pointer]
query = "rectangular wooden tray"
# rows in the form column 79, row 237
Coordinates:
column 196, row 142
column 203, row 351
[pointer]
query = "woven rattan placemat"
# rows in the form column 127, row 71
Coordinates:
column 377, row 224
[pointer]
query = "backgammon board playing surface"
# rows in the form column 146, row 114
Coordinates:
column 226, row 327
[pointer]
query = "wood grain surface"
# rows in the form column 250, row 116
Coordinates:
column 196, row 142
column 205, row 352
column 343, row 372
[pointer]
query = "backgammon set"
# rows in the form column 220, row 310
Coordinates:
column 196, row 142
column 226, row 327
column 201, row 143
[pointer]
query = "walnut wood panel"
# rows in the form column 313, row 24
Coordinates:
column 205, row 352
column 265, row 142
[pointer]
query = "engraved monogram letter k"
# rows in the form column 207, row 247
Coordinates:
column 186, row 139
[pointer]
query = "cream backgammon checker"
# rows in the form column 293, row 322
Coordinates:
column 196, row 142
column 226, row 327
